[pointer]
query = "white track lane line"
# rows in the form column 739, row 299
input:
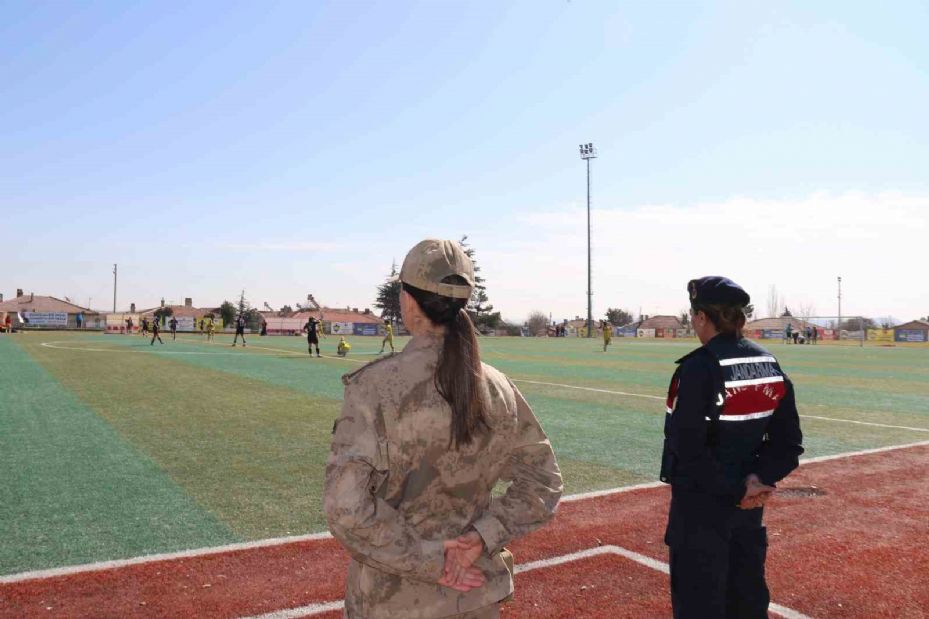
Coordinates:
column 165, row 556
column 277, row 541
column 659, row 566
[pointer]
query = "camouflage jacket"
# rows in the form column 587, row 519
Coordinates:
column 395, row 489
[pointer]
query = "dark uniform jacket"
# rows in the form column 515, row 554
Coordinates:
column 731, row 412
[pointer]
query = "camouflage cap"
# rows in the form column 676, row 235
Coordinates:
column 433, row 260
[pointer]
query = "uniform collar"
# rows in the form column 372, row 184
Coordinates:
column 719, row 340
column 424, row 341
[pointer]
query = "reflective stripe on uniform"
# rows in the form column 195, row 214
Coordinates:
column 735, row 384
column 738, row 360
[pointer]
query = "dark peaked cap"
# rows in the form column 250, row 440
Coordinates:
column 716, row 290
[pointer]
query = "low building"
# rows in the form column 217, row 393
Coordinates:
column 188, row 317
column 913, row 331
column 661, row 326
column 776, row 328
column 44, row 312
column 336, row 321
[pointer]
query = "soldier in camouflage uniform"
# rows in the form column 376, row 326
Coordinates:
column 423, row 438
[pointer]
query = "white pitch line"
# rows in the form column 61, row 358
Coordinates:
column 611, row 491
column 656, row 397
column 659, row 566
column 277, row 541
column 626, row 393
column 515, row 380
column 866, row 423
column 302, row 611
column 166, row 556
column 863, row 452
column 129, row 350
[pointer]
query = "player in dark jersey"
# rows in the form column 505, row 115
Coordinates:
column 155, row 335
column 312, row 328
column 173, row 325
column 239, row 330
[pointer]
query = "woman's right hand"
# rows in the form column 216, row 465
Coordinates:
column 460, row 555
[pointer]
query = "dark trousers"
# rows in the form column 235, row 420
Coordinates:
column 239, row 332
column 717, row 557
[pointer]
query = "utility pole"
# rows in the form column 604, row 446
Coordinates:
column 588, row 152
column 840, row 308
column 114, row 288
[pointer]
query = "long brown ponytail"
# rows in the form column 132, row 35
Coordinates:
column 458, row 373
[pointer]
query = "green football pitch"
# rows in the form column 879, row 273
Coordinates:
column 111, row 448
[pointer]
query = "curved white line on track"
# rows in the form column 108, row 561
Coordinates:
column 277, row 541
column 654, row 564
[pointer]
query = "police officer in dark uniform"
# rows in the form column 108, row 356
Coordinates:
column 731, row 433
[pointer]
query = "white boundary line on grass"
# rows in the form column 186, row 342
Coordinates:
column 515, row 380
column 659, row 566
column 129, row 350
column 866, row 423
column 278, row 541
column 656, row 397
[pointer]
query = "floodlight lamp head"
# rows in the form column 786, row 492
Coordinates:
column 588, row 151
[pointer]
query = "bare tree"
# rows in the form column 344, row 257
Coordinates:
column 806, row 310
column 775, row 302
column 537, row 323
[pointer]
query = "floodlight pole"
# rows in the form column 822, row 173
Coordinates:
column 588, row 152
column 114, row 288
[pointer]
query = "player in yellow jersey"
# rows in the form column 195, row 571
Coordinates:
column 344, row 347
column 388, row 337
column 607, row 333
column 210, row 330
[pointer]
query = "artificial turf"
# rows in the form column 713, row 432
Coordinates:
column 113, row 448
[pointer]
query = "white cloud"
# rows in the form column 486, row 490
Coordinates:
column 643, row 256
column 280, row 246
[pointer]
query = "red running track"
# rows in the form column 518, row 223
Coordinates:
column 859, row 550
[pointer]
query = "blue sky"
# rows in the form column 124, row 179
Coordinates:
column 297, row 147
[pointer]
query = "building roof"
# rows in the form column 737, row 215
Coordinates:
column 661, row 322
column 37, row 303
column 181, row 311
column 339, row 315
column 915, row 325
column 778, row 323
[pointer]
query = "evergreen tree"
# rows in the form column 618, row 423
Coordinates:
column 618, row 317
column 227, row 312
column 479, row 308
column 245, row 310
column 388, row 296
